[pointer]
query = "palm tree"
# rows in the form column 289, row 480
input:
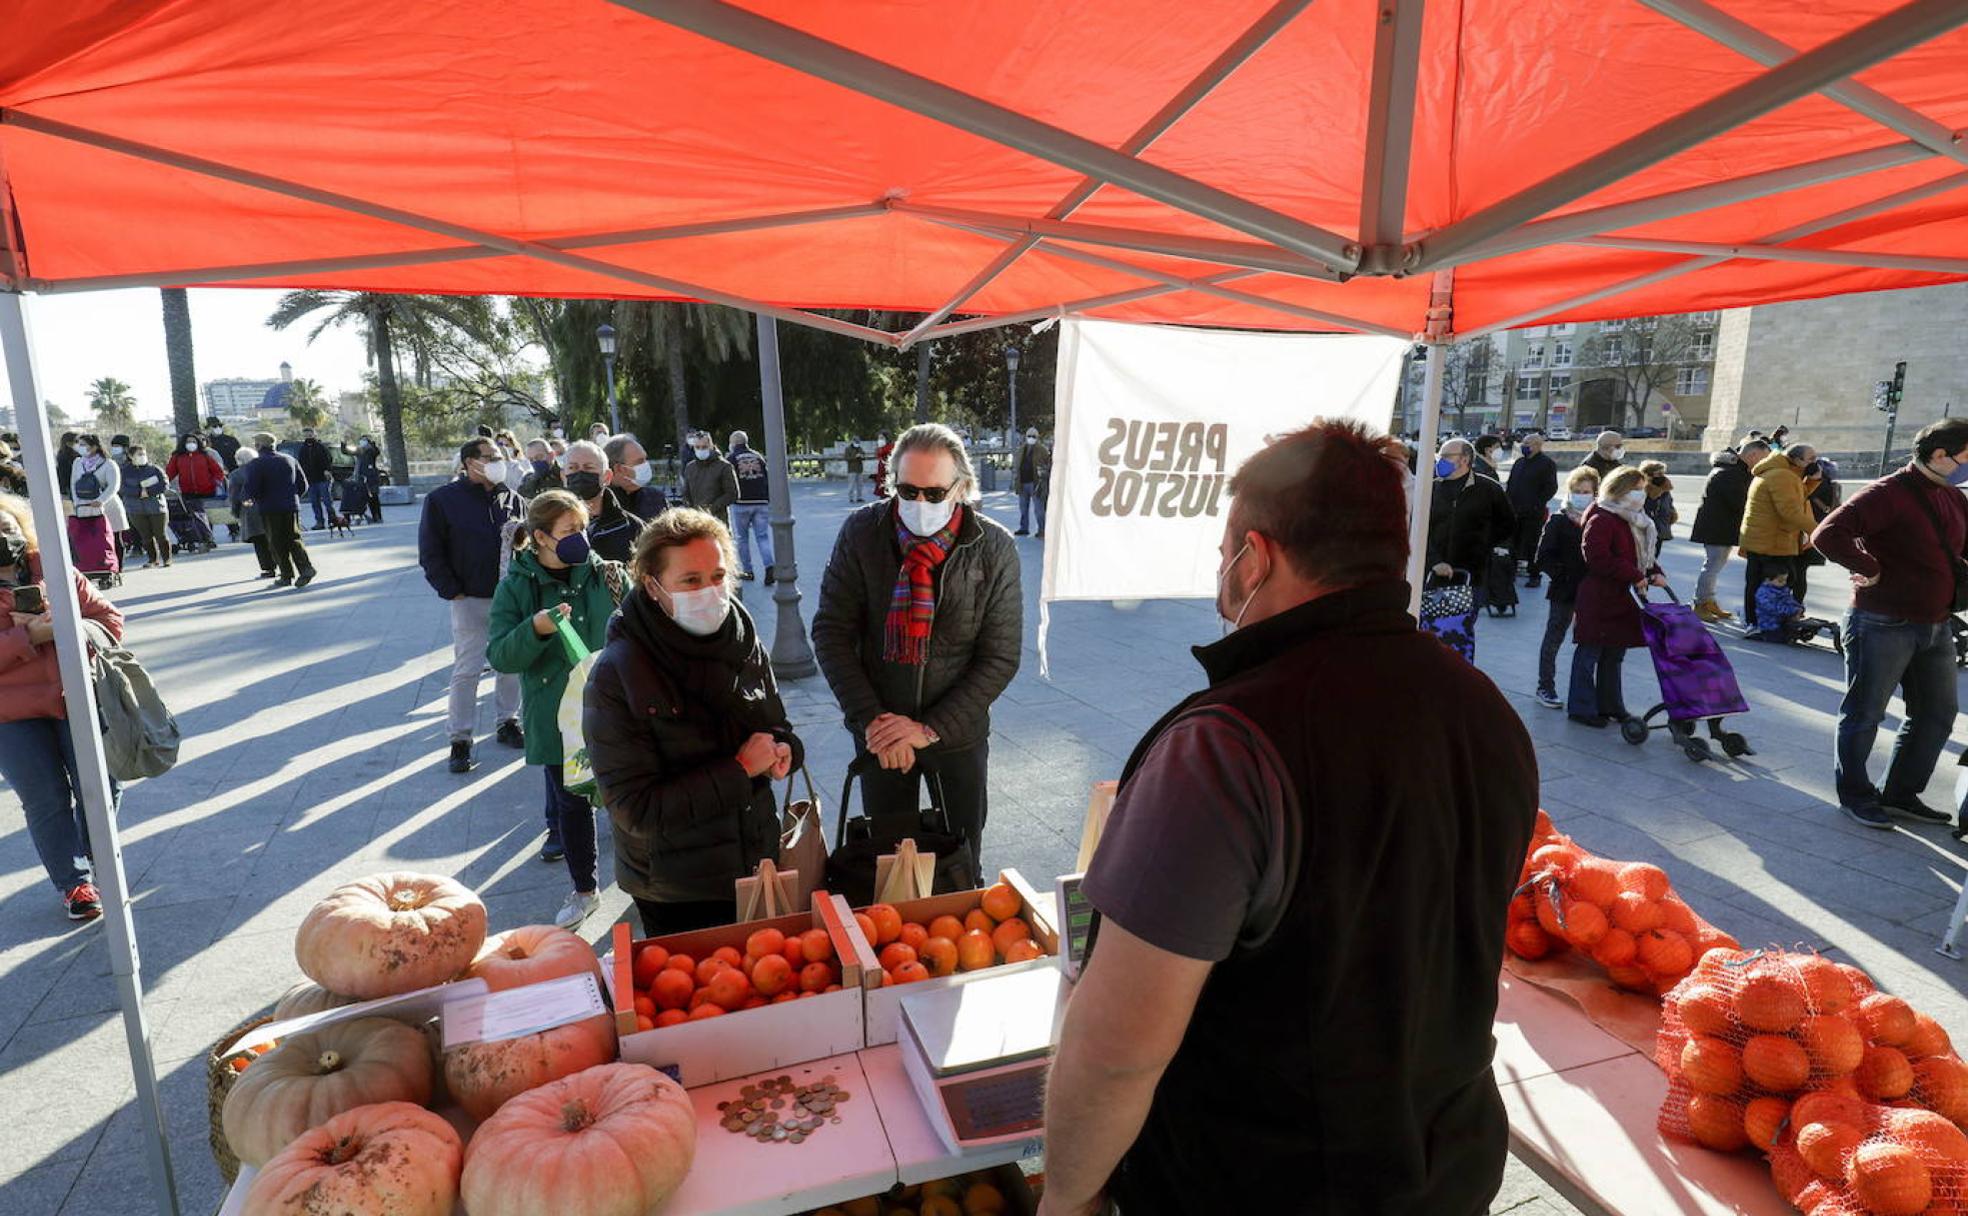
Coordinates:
column 177, row 351
column 676, row 334
column 307, row 404
column 114, row 404
column 389, row 319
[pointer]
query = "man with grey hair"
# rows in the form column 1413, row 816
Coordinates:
column 919, row 629
column 709, row 482
column 612, row 527
column 1608, row 453
column 1469, row 519
column 634, row 477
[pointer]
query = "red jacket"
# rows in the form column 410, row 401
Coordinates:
column 1882, row 533
column 198, row 474
column 30, row 678
column 1607, row 614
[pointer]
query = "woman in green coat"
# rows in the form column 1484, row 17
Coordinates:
column 554, row 576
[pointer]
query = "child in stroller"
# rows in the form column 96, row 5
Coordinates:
column 1780, row 616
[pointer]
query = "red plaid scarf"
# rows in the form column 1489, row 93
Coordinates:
column 913, row 605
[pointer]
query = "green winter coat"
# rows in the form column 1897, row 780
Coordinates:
column 541, row 662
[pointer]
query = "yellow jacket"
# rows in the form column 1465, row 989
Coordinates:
column 1777, row 517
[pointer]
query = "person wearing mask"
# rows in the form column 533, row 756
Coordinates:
column 1034, row 480
column 1903, row 538
column 543, row 470
column 598, row 434
column 686, row 729
column 634, row 478
column 1561, row 554
column 1777, row 521
column 517, row 468
column 143, row 501
column 554, row 577
column 1469, row 519
column 64, row 467
column 856, row 461
column 1619, row 544
column 318, row 465
column 199, row 476
column 465, row 524
column 1660, row 501
column 1718, row 521
column 710, row 484
column 1375, row 1091
column 13, row 475
column 1488, row 449
column 1533, row 482
column 119, row 454
column 919, row 630
column 612, row 529
column 369, row 475
column 222, row 445
column 37, row 752
column 1608, row 453
column 252, row 528
column 275, row 486
column 95, row 484
column 751, row 511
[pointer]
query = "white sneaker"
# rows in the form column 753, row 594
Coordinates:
column 579, row 904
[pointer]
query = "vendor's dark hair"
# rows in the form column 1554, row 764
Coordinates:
column 1949, row 436
column 1332, row 496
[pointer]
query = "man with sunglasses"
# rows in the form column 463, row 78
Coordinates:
column 919, row 629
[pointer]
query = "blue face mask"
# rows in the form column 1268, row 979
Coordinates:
column 1444, row 467
column 1959, row 476
column 1524, row 449
column 572, row 548
column 541, row 466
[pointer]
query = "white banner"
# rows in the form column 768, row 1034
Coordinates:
column 1151, row 422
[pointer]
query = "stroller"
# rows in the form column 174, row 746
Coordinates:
column 1695, row 679
column 190, row 533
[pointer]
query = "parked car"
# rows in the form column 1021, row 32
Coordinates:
column 1559, row 434
column 1645, row 432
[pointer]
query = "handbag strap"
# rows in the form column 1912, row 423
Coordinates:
column 786, row 806
column 1934, row 519
column 866, row 763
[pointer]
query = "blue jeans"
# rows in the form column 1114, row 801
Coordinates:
column 1596, row 690
column 319, row 497
column 571, row 821
column 52, row 796
column 1031, row 493
column 1557, row 623
column 750, row 520
column 1883, row 653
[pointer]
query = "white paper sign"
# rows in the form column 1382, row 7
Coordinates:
column 522, row 1011
column 410, row 1007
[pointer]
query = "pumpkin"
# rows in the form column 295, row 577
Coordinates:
column 484, row 1076
column 308, row 997
column 531, row 954
column 389, row 1159
column 612, row 1140
column 1890, row 1179
column 317, row 1074
column 389, row 934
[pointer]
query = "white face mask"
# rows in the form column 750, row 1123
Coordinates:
column 699, row 613
column 1634, row 498
column 1232, row 624
column 494, row 471
column 703, row 450
column 642, row 473
column 1030, row 440
column 1579, row 501
column 926, row 518
column 191, row 447
column 1617, row 453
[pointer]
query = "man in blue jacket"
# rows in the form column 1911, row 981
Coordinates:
column 274, row 486
column 465, row 525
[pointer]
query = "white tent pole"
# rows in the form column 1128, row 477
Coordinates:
column 1200, row 86
column 1781, row 253
column 1746, row 39
column 1424, row 491
column 1203, row 249
column 1390, row 129
column 1877, row 40
column 802, row 52
column 79, row 698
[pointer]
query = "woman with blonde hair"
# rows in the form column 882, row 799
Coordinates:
column 554, row 577
column 686, row 730
column 37, row 754
column 1619, row 543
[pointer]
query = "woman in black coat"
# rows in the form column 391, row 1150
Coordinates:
column 1718, row 521
column 685, row 729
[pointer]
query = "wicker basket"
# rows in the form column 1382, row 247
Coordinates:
column 219, row 1077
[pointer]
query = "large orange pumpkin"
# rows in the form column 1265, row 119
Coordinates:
column 305, row 998
column 531, row 954
column 390, row 1159
column 613, row 1140
column 313, row 1076
column 390, row 933
column 484, row 1076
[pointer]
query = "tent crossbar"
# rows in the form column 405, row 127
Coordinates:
column 193, row 277
column 1390, row 129
column 803, row 52
column 1777, row 253
column 1745, row 39
column 1676, row 203
column 1205, row 82
column 1072, row 307
column 1854, row 51
column 1202, row 249
column 410, row 219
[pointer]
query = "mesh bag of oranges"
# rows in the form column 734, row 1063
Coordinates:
column 1624, row 916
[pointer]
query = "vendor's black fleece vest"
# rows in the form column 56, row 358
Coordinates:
column 1342, row 1067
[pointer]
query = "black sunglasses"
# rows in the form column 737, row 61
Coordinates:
column 926, row 493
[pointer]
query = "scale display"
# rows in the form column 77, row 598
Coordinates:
column 1078, row 924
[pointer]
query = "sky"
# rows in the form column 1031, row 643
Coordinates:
column 81, row 337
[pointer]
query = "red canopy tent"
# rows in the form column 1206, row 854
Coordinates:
column 1381, row 166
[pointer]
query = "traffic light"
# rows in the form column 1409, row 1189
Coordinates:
column 1898, row 389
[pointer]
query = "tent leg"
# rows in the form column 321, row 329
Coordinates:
column 79, row 694
column 1424, row 492
column 792, row 653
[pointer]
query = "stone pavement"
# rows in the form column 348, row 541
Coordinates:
column 315, row 753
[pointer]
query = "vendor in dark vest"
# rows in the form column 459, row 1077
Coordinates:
column 1302, row 892
column 612, row 528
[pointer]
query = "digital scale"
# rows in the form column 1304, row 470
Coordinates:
column 977, row 1054
column 1078, row 924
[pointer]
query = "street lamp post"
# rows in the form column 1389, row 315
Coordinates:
column 1012, row 354
column 792, row 654
column 606, row 333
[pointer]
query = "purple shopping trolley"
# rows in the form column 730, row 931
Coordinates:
column 1696, row 682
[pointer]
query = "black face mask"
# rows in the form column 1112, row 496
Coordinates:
column 13, row 550
column 1812, row 469
column 584, row 485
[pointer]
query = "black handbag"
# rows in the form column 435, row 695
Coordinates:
column 860, row 841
